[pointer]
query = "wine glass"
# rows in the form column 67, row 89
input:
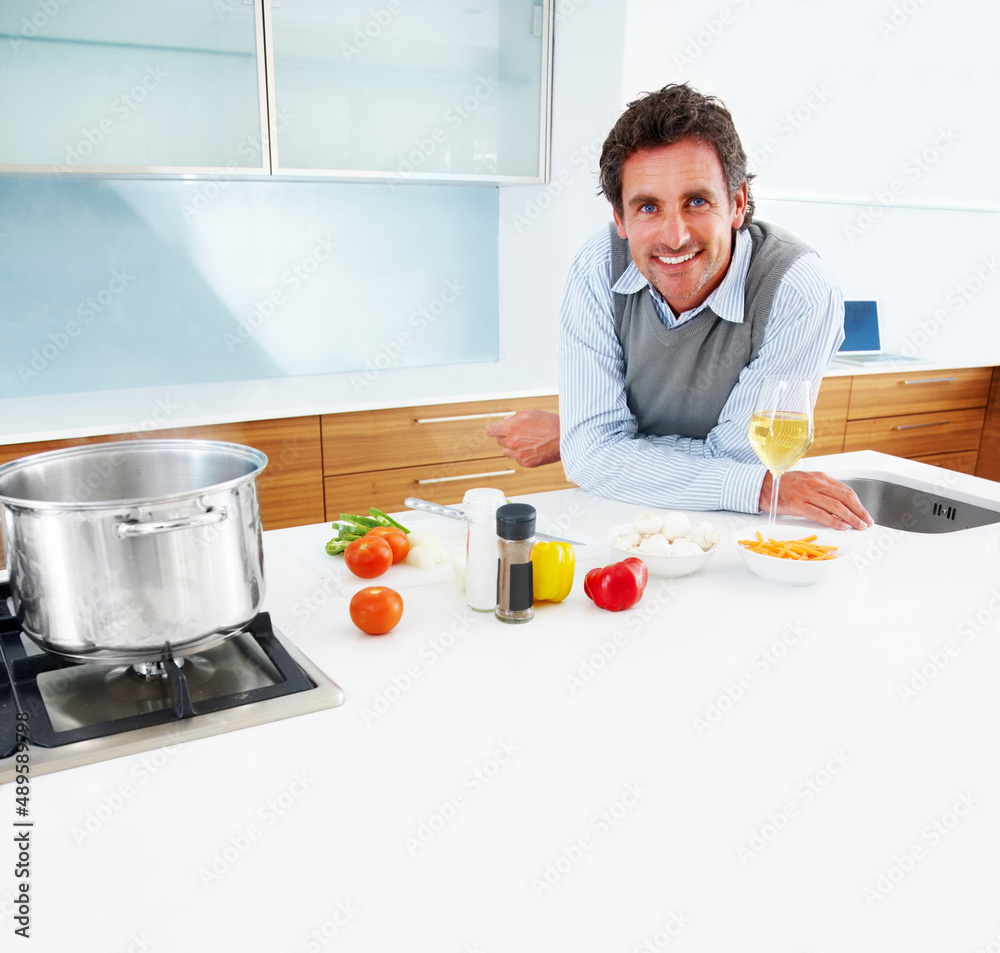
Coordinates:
column 781, row 428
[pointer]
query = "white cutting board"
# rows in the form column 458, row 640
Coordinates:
column 308, row 543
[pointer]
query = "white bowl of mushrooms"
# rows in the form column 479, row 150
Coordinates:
column 668, row 542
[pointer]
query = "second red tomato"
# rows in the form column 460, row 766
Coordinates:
column 396, row 538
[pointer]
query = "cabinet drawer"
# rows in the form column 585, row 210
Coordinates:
column 917, row 435
column 830, row 415
column 290, row 488
column 376, row 439
column 386, row 489
column 963, row 462
column 919, row 392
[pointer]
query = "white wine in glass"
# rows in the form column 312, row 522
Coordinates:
column 781, row 428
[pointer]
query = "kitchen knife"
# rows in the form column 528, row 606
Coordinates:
column 456, row 513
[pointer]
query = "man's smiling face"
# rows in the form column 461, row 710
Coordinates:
column 678, row 218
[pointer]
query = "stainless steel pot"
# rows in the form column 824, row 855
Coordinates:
column 136, row 550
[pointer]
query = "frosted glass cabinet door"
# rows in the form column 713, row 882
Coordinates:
column 441, row 89
column 131, row 84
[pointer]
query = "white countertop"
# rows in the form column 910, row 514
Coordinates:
column 61, row 416
column 140, row 409
column 889, row 364
column 727, row 766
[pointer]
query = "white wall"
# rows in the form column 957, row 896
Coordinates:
column 872, row 128
column 542, row 227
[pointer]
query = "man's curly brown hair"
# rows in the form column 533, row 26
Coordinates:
column 664, row 117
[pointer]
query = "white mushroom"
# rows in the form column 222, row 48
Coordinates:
column 654, row 543
column 684, row 547
column 705, row 535
column 646, row 523
column 633, row 536
column 624, row 541
column 675, row 525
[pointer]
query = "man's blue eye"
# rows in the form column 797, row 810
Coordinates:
column 698, row 201
column 646, row 207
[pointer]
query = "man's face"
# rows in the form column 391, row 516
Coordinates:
column 679, row 219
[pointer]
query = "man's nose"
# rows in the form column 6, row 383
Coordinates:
column 674, row 231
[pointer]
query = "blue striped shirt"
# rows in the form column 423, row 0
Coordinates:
column 601, row 447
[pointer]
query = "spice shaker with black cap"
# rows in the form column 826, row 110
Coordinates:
column 515, row 581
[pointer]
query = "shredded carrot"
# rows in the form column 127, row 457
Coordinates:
column 806, row 548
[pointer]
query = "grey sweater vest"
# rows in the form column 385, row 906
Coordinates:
column 677, row 380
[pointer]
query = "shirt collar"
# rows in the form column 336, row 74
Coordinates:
column 726, row 301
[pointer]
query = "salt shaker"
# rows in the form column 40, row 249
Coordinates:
column 515, row 530
column 480, row 507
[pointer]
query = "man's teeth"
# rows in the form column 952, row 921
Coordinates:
column 675, row 261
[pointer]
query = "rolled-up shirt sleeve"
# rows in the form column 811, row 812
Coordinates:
column 601, row 447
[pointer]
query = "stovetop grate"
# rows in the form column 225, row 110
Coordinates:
column 21, row 691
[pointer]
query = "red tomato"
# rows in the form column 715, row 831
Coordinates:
column 368, row 557
column 396, row 538
column 376, row 609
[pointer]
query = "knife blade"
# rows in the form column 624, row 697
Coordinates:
column 457, row 513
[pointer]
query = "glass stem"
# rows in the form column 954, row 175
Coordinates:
column 773, row 511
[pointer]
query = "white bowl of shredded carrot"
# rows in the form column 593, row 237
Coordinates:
column 792, row 555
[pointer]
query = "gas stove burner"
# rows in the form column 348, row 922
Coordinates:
column 81, row 712
column 79, row 696
column 151, row 670
column 71, row 701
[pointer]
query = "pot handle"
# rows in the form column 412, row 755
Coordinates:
column 208, row 518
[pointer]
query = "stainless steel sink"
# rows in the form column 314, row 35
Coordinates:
column 918, row 511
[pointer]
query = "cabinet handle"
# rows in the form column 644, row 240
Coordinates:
column 466, row 476
column 930, row 423
column 444, row 420
column 933, row 380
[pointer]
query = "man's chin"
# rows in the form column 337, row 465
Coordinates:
column 680, row 297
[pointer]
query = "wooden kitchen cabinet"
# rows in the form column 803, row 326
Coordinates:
column 436, row 453
column 290, row 489
column 917, row 392
column 830, row 416
column 933, row 416
column 918, row 435
column 988, row 462
column 319, row 467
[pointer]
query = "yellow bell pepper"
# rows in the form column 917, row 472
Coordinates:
column 552, row 566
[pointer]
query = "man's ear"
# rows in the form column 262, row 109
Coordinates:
column 740, row 206
column 621, row 225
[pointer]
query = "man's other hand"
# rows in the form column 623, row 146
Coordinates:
column 817, row 497
column 530, row 437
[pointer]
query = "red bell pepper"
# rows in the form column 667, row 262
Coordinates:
column 618, row 586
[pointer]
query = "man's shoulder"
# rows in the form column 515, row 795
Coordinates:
column 595, row 252
column 811, row 277
column 805, row 272
column 588, row 285
column 768, row 234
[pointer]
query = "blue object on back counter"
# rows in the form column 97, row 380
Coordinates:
column 861, row 327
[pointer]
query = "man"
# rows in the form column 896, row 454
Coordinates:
column 672, row 318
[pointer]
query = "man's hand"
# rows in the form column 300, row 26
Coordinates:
column 818, row 497
column 530, row 437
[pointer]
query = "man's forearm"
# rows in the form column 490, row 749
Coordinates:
column 635, row 469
